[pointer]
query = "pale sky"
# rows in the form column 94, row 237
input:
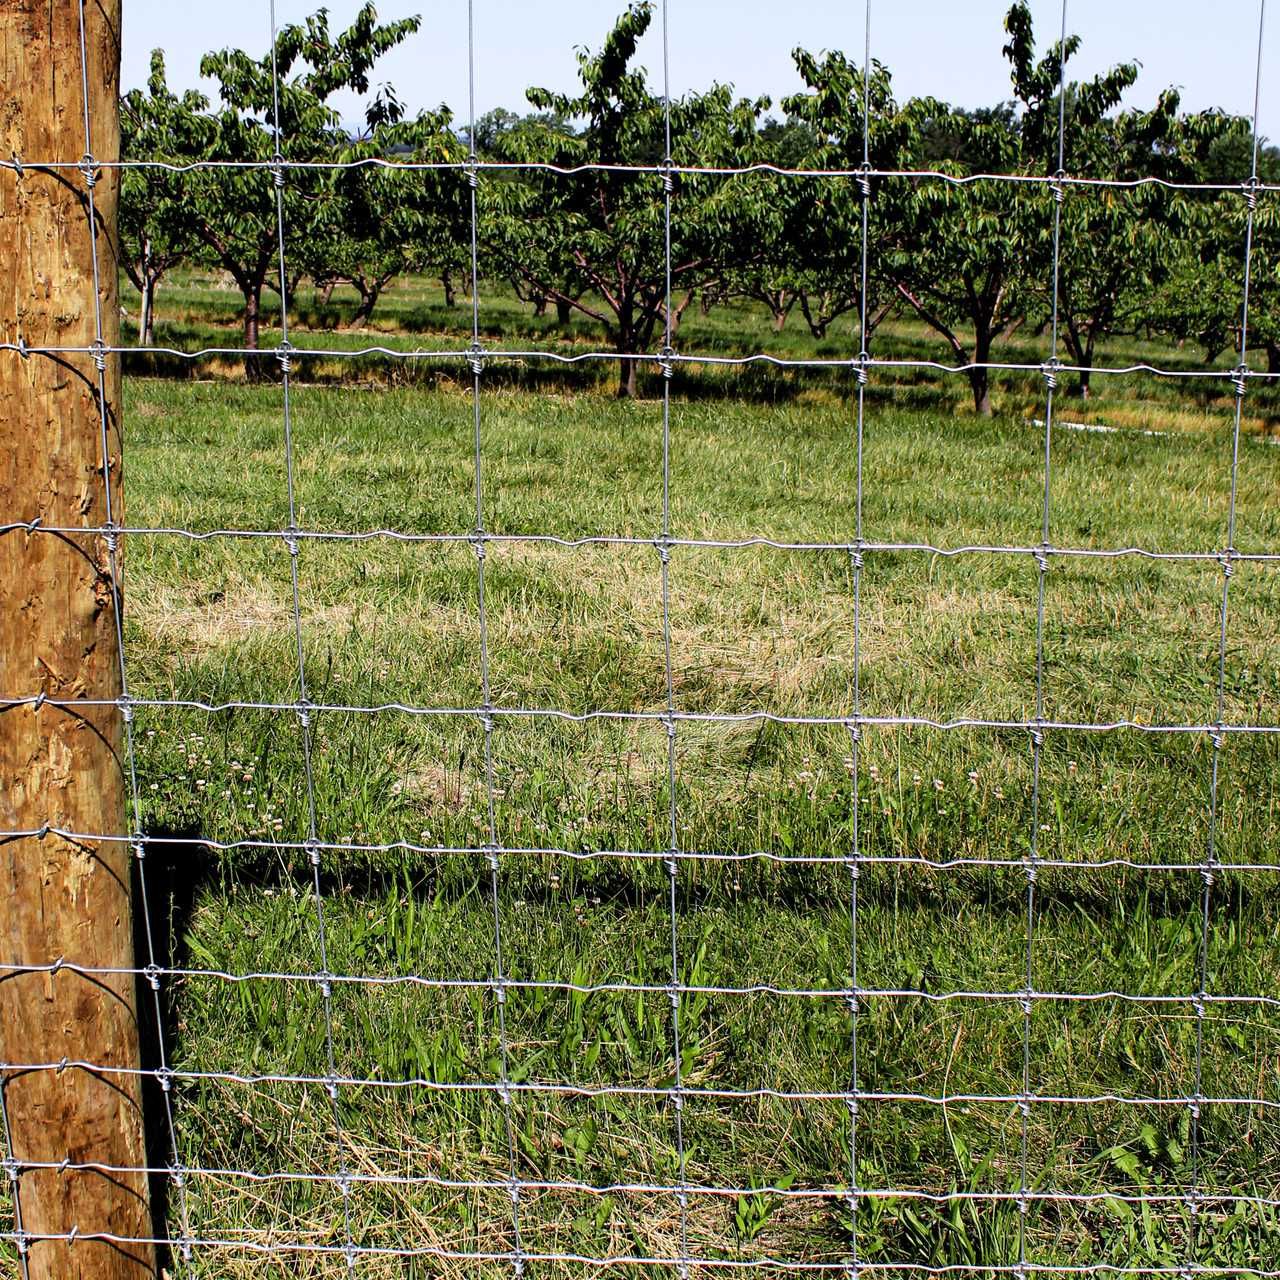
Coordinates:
column 950, row 48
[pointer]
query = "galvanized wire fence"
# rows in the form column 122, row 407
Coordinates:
column 194, row 1252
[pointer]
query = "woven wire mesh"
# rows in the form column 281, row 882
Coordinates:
column 342, row 1241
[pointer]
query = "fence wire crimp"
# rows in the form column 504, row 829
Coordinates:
column 666, row 362
column 152, row 973
column 276, row 168
column 284, row 354
column 98, row 352
column 860, row 366
column 88, row 167
column 475, row 358
column 862, row 176
column 1250, row 189
column 1059, row 185
column 1050, row 370
column 312, row 846
column 1239, row 378
column 666, row 171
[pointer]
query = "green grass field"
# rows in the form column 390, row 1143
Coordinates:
column 756, row 453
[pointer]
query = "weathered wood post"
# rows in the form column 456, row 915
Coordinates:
column 64, row 898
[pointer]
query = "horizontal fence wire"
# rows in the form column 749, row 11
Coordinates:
column 496, row 854
column 1237, row 376
column 1247, row 188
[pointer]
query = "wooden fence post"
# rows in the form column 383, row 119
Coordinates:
column 64, row 898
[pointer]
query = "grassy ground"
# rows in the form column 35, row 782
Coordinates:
column 752, row 629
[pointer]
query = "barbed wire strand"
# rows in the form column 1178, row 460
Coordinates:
column 305, row 712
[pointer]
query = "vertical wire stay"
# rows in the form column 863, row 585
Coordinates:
column 343, row 1177
column 855, row 727
column 499, row 982
column 136, row 837
column 664, row 551
column 1208, row 868
column 13, row 1172
column 1188, row 1197
column 1037, row 735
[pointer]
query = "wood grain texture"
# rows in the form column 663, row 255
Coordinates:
column 62, row 898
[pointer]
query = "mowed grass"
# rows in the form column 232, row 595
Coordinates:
column 753, row 628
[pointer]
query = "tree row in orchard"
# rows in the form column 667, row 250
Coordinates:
column 570, row 205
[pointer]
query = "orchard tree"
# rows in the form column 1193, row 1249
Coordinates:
column 970, row 258
column 155, row 232
column 1202, row 300
column 820, row 249
column 386, row 220
column 608, row 226
column 232, row 210
column 1123, row 246
column 507, row 251
column 959, row 257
